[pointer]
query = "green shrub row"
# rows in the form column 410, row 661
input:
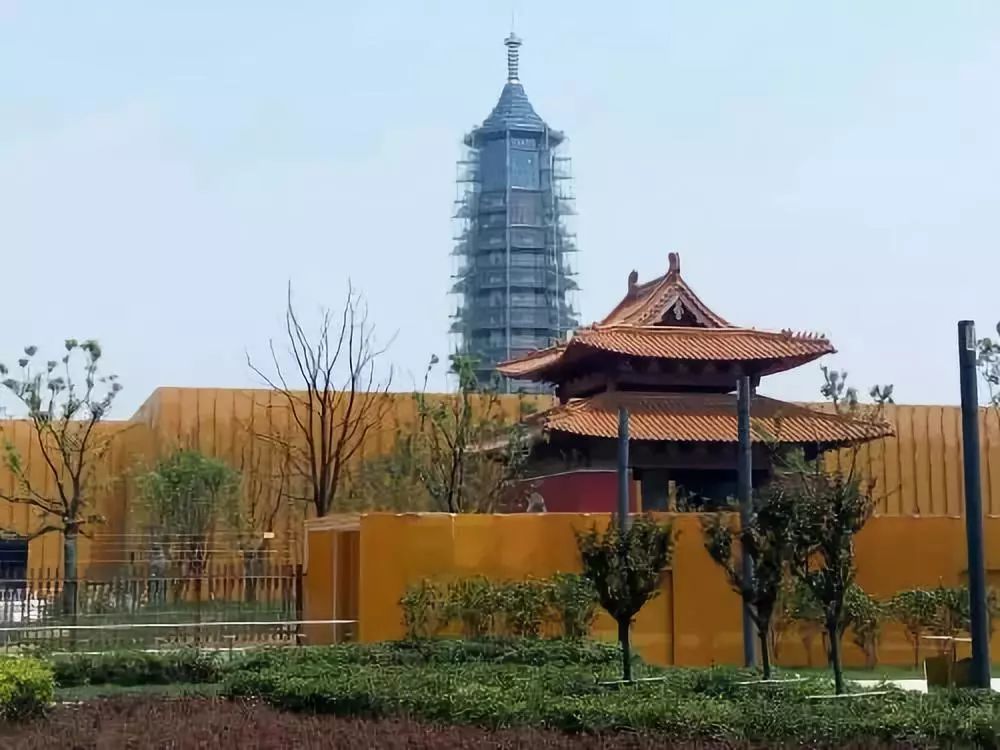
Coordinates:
column 698, row 705
column 442, row 651
column 136, row 668
column 26, row 688
column 483, row 607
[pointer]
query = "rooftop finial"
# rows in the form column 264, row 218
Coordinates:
column 512, row 42
column 675, row 263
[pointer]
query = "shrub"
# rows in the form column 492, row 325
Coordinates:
column 473, row 602
column 573, row 599
column 424, row 612
column 706, row 705
column 136, row 668
column 26, row 688
column 524, row 605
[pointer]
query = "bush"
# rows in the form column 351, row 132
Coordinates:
column 524, row 605
column 424, row 611
column 473, row 602
column 573, row 599
column 26, row 688
column 687, row 705
column 445, row 651
column 136, row 668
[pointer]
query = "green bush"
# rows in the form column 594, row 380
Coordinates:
column 444, row 651
column 26, row 688
column 573, row 599
column 524, row 605
column 424, row 609
column 488, row 608
column 864, row 615
column 473, row 602
column 136, row 668
column 714, row 705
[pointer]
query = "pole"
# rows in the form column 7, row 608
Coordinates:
column 744, row 466
column 973, row 504
column 623, row 474
column 623, row 481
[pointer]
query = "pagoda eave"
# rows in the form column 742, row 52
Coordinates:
column 704, row 418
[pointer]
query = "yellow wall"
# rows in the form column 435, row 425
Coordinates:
column 695, row 620
column 919, row 472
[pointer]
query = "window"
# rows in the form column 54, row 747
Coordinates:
column 494, row 165
column 527, row 238
column 525, row 208
column 524, row 169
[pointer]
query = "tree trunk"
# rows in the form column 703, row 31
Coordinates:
column 765, row 657
column 623, row 639
column 838, row 671
column 70, row 572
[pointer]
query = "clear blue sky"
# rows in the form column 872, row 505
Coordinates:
column 166, row 167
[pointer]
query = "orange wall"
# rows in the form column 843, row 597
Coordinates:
column 695, row 620
column 918, row 472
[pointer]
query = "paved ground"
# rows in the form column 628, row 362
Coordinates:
column 917, row 685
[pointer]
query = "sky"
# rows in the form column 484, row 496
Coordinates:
column 167, row 168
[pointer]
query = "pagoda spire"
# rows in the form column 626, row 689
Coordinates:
column 512, row 42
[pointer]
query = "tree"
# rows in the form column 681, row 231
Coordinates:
column 830, row 508
column 337, row 399
column 916, row 611
column 626, row 569
column 865, row 615
column 765, row 539
column 463, row 454
column 266, row 494
column 66, row 401
column 185, row 499
column 989, row 368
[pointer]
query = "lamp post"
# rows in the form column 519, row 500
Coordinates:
column 744, row 467
column 979, row 628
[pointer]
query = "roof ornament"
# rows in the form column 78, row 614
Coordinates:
column 675, row 263
column 512, row 43
column 633, row 281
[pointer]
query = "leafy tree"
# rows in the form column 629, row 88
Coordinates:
column 66, row 400
column 916, row 610
column 185, row 498
column 765, row 539
column 333, row 395
column 463, row 454
column 626, row 568
column 865, row 615
column 830, row 508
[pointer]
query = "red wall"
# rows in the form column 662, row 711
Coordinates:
column 581, row 491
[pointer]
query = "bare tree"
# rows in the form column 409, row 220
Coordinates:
column 333, row 394
column 65, row 404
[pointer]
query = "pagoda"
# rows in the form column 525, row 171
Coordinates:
column 674, row 364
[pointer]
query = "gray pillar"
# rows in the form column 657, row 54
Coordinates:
column 744, row 468
column 973, row 505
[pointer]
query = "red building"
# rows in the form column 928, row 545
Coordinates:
column 674, row 364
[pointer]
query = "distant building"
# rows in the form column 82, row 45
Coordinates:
column 513, row 276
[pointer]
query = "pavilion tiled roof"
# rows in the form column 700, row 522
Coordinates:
column 773, row 351
column 651, row 303
column 705, row 418
column 665, row 319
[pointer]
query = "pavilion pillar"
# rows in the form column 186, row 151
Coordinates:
column 744, row 471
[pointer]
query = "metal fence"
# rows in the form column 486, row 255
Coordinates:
column 224, row 606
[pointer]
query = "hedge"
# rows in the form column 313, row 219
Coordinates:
column 136, row 668
column 26, row 687
column 687, row 705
